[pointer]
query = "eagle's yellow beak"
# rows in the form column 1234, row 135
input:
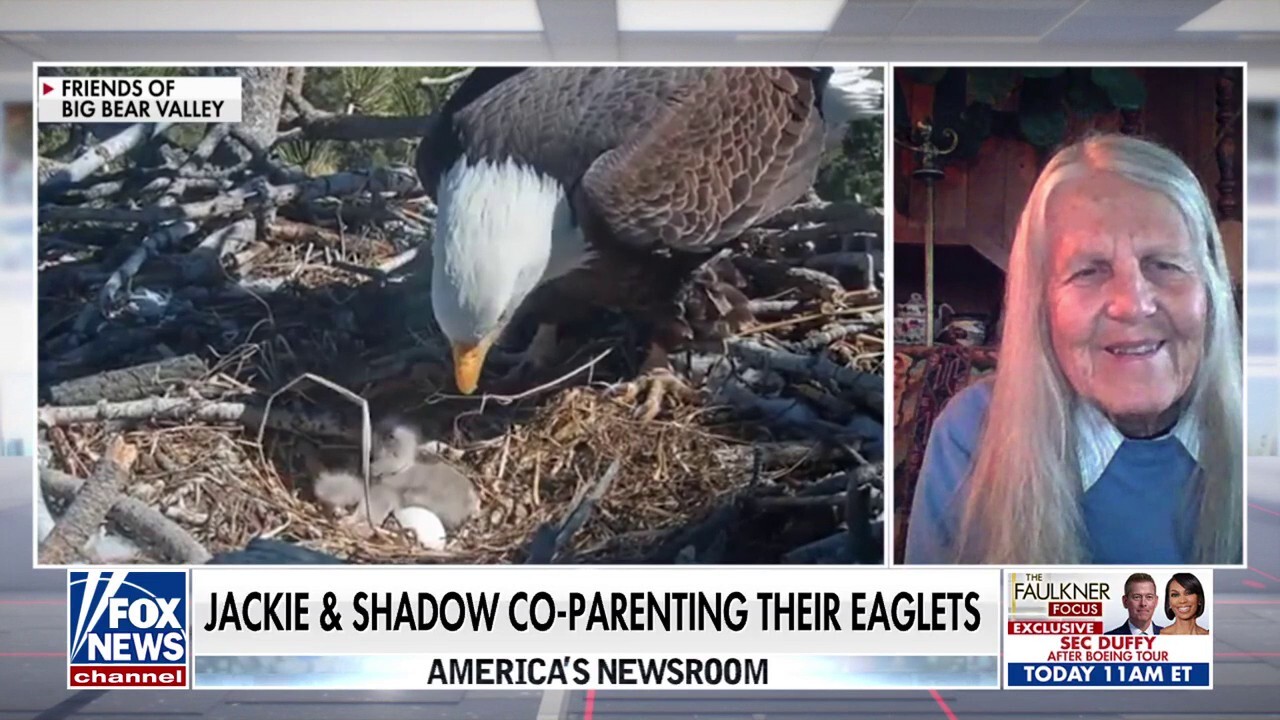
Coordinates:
column 468, row 359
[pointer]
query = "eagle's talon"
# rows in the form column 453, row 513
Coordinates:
column 654, row 387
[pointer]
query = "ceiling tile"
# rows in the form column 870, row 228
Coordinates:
column 942, row 51
column 727, row 15
column 713, row 47
column 354, row 48
column 1127, row 22
column 1237, row 16
column 578, row 21
column 870, row 18
column 272, row 15
column 983, row 18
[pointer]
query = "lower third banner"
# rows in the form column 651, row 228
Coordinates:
column 600, row 627
column 1109, row 629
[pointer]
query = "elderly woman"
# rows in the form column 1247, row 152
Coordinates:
column 1112, row 432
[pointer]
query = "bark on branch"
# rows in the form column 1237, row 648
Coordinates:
column 184, row 408
column 86, row 513
column 131, row 383
column 397, row 181
column 101, row 154
column 140, row 522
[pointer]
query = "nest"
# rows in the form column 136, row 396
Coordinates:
column 703, row 464
column 671, row 473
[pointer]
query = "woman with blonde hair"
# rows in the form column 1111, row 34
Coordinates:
column 1111, row 433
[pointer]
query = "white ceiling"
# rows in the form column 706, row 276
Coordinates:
column 587, row 30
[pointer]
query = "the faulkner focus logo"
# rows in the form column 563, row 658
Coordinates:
column 127, row 629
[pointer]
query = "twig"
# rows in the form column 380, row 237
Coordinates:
column 366, row 432
column 780, row 413
column 773, row 455
column 857, row 519
column 508, row 399
column 129, row 383
column 838, row 229
column 227, row 240
column 89, row 509
column 397, row 181
column 861, row 261
column 101, row 154
column 865, row 388
column 812, row 282
column 187, row 409
column 375, row 274
column 582, row 510
column 212, row 139
column 779, row 325
column 445, row 80
column 152, row 244
column 831, row 484
column 772, row 307
column 820, row 339
column 306, row 110
column 290, row 231
column 140, row 521
column 800, row 501
column 399, row 261
column 826, row 212
column 315, row 124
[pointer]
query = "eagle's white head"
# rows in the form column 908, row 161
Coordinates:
column 493, row 245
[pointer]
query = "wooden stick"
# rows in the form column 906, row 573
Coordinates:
column 800, row 501
column 144, row 524
column 185, row 408
column 86, row 513
column 130, row 383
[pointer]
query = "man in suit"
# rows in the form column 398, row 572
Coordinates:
column 1140, row 599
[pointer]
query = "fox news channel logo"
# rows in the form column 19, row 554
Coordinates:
column 127, row 629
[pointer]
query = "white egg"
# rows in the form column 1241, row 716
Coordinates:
column 424, row 524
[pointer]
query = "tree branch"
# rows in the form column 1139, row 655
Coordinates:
column 86, row 513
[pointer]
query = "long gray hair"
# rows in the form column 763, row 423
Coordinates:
column 1024, row 504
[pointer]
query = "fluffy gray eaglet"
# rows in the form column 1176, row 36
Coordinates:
column 561, row 188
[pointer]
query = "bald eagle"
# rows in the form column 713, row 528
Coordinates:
column 609, row 186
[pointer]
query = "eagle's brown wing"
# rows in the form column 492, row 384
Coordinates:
column 685, row 157
column 728, row 149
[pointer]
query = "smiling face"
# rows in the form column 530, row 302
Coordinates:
column 1126, row 298
column 1185, row 605
column 1140, row 601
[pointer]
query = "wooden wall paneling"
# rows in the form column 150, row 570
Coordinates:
column 951, row 206
column 1022, row 166
column 986, row 227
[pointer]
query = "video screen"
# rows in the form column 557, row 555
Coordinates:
column 559, row 389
